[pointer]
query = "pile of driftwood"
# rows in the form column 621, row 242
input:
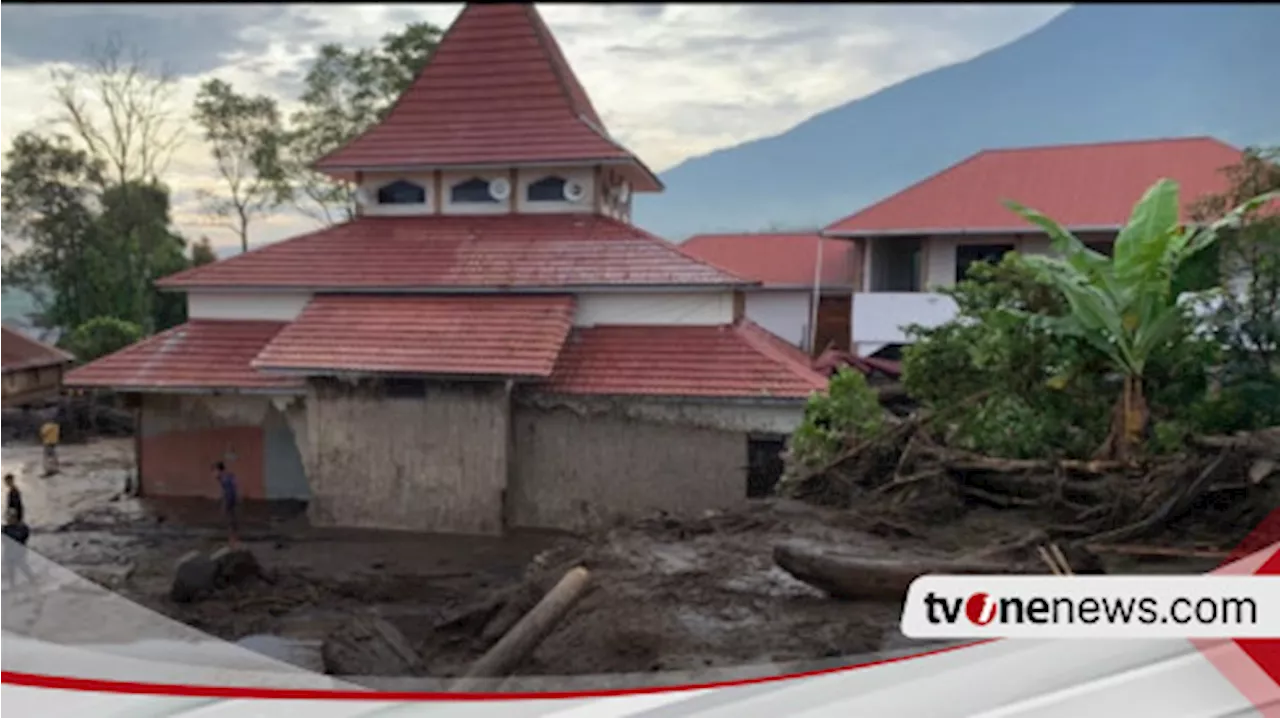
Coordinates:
column 1231, row 482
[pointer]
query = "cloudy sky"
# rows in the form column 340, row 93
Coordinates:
column 671, row 81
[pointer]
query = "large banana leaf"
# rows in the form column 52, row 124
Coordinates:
column 1144, row 243
column 1125, row 306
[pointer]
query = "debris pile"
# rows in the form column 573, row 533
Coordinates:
column 1217, row 489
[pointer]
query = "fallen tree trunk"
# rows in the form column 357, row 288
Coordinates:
column 856, row 578
column 523, row 638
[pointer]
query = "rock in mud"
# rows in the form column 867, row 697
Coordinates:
column 296, row 652
column 236, row 565
column 369, row 646
column 195, row 577
column 111, row 577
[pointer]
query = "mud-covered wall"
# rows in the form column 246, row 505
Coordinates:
column 436, row 462
column 183, row 435
column 576, row 465
column 32, row 386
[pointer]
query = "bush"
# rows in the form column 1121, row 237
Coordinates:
column 101, row 336
column 849, row 409
column 1043, row 395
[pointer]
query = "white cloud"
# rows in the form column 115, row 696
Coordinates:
column 671, row 81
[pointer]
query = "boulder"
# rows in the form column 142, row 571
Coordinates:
column 196, row 576
column 235, row 565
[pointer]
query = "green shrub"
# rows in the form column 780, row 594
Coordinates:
column 101, row 336
column 848, row 410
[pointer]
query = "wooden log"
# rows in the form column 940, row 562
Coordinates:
column 1159, row 551
column 842, row 575
column 523, row 638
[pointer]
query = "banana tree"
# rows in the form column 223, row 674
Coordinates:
column 1126, row 306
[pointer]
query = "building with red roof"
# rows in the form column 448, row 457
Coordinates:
column 927, row 235
column 489, row 342
column 32, row 369
column 788, row 266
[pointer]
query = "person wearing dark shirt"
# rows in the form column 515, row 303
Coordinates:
column 15, row 549
column 227, row 483
column 13, row 497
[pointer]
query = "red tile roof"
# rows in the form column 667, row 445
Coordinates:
column 432, row 335
column 201, row 354
column 459, row 252
column 22, row 352
column 1080, row 186
column 781, row 259
column 738, row 361
column 498, row 90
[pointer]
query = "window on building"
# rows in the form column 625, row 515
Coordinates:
column 764, row 464
column 1106, row 248
column 547, row 189
column 400, row 388
column 969, row 254
column 402, row 192
column 473, row 191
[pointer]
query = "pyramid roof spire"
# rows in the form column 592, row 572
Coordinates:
column 497, row 91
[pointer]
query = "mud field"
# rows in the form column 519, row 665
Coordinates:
column 665, row 595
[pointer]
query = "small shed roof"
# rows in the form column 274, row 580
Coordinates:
column 23, row 352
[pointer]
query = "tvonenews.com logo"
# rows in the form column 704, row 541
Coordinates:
column 982, row 609
column 1048, row 606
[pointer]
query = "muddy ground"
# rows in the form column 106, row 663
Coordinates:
column 665, row 595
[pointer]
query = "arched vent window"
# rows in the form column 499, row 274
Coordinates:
column 472, row 191
column 547, row 189
column 402, row 192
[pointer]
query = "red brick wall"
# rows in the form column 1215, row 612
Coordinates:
column 177, row 463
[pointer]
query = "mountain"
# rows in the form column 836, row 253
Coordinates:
column 1094, row 73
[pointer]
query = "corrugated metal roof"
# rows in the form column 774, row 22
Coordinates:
column 1080, row 186
column 730, row 361
column 457, row 252
column 497, row 90
column 779, row 259
column 22, row 352
column 201, row 354
column 424, row 335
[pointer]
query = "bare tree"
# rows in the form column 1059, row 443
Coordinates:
column 122, row 109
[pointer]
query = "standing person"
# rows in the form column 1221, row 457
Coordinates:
column 50, row 432
column 15, row 554
column 13, row 498
column 227, row 482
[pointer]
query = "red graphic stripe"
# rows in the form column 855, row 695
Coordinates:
column 66, row 683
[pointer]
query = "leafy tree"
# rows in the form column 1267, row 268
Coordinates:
column 347, row 92
column 202, row 252
column 82, row 247
column 101, row 336
column 1244, row 318
column 245, row 138
column 1126, row 307
column 135, row 219
column 1247, row 318
column 50, row 212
